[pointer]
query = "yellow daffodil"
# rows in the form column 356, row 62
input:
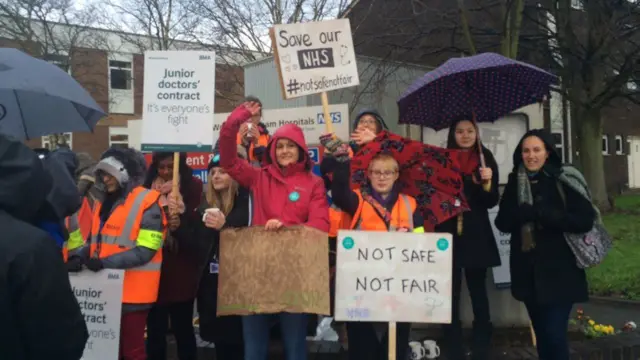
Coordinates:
column 597, row 327
column 591, row 322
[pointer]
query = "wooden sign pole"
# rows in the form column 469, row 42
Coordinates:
column 176, row 174
column 328, row 123
column 392, row 340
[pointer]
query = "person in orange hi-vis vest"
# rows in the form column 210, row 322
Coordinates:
column 377, row 206
column 78, row 226
column 253, row 136
column 127, row 232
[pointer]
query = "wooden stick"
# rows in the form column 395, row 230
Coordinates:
column 328, row 123
column 392, row 341
column 533, row 334
column 176, row 173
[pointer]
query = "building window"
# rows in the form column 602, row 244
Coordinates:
column 118, row 137
column 605, row 145
column 46, row 140
column 120, row 75
column 619, row 149
column 62, row 61
column 557, row 139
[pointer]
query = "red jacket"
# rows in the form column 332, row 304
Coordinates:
column 274, row 189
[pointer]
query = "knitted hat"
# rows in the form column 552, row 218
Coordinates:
column 215, row 161
column 115, row 168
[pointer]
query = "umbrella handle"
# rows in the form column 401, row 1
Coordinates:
column 486, row 185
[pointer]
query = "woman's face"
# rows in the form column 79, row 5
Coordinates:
column 534, row 153
column 110, row 183
column 383, row 173
column 368, row 122
column 219, row 179
column 465, row 134
column 287, row 152
column 165, row 168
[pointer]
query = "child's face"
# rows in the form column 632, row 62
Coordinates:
column 383, row 173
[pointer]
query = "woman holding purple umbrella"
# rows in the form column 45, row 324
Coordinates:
column 475, row 249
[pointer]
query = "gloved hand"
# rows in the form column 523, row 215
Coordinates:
column 342, row 153
column 94, row 264
column 527, row 213
column 74, row 264
column 330, row 142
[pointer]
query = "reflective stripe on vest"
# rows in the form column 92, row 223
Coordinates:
column 407, row 206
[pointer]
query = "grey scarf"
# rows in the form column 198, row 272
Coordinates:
column 525, row 196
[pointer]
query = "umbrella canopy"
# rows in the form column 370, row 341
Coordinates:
column 38, row 98
column 483, row 87
column 428, row 173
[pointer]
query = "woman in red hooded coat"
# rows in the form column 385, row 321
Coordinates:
column 285, row 193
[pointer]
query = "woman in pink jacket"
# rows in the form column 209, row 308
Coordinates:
column 285, row 193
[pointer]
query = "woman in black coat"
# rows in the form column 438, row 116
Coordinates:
column 474, row 246
column 537, row 209
column 234, row 204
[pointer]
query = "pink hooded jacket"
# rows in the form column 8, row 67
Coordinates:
column 293, row 195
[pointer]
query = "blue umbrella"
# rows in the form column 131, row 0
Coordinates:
column 483, row 88
column 38, row 98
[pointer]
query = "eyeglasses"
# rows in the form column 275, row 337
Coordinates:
column 380, row 174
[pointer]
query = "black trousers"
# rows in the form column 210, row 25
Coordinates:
column 550, row 323
column 477, row 286
column 181, row 315
column 364, row 343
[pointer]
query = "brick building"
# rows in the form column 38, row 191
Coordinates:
column 110, row 65
column 428, row 33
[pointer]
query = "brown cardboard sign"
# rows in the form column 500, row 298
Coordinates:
column 263, row 272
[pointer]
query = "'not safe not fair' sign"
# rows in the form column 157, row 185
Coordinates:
column 393, row 277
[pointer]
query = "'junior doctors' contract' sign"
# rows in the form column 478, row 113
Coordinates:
column 179, row 91
column 315, row 57
column 392, row 276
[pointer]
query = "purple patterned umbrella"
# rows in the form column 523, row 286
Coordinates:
column 483, row 88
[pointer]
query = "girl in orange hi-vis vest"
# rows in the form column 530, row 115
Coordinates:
column 128, row 230
column 378, row 206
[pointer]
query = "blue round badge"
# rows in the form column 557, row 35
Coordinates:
column 348, row 243
column 294, row 196
column 442, row 244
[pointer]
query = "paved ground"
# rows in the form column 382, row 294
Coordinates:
column 615, row 314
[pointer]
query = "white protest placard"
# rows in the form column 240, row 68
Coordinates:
column 314, row 57
column 309, row 118
column 179, row 93
column 393, row 276
column 502, row 273
column 99, row 295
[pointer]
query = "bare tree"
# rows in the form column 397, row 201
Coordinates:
column 150, row 24
column 52, row 30
column 244, row 24
column 596, row 49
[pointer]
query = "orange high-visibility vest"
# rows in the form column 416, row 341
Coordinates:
column 121, row 233
column 78, row 226
column 263, row 140
column 366, row 218
column 338, row 219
